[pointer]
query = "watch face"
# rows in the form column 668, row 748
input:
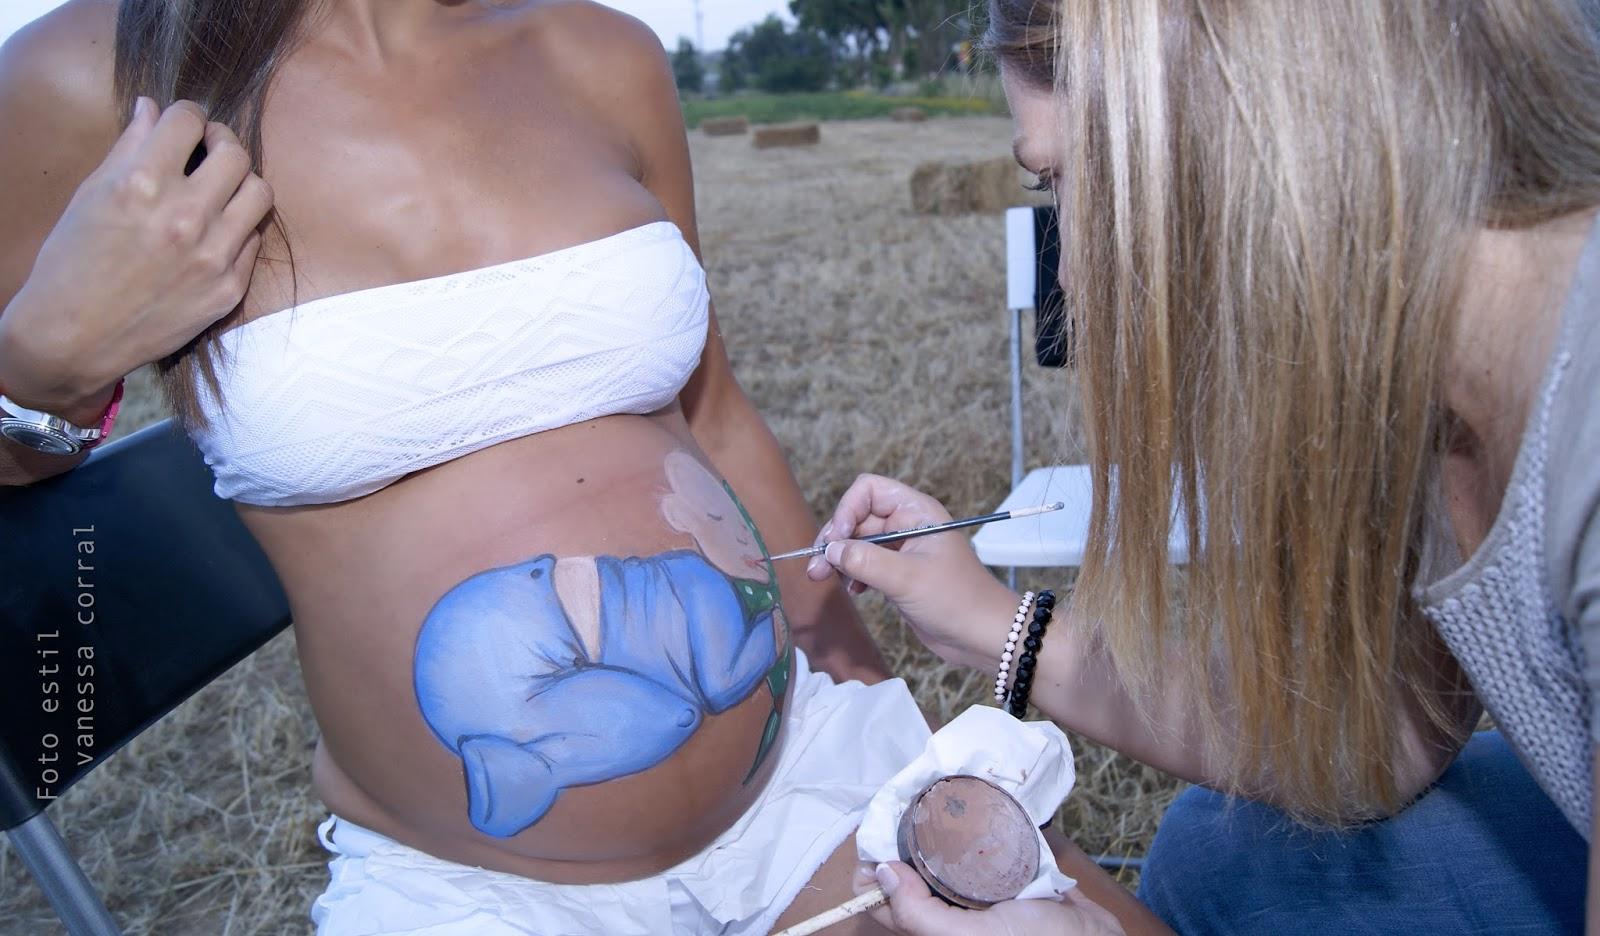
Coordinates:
column 38, row 438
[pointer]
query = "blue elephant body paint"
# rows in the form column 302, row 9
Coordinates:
column 505, row 682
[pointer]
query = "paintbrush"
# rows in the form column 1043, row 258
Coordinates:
column 883, row 539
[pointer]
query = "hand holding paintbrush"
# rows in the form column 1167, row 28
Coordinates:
column 885, row 539
column 949, row 598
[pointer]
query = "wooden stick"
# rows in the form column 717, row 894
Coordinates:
column 871, row 900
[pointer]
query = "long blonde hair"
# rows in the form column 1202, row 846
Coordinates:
column 1265, row 206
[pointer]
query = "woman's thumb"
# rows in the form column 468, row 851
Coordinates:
column 913, row 909
column 871, row 565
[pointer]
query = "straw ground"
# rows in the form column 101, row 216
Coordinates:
column 872, row 338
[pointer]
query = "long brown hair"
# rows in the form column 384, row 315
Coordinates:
column 1266, row 206
column 221, row 54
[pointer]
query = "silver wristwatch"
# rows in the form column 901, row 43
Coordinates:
column 49, row 434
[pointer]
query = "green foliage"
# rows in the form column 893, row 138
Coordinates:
column 734, row 75
column 778, row 59
column 835, row 105
column 687, row 68
column 919, row 36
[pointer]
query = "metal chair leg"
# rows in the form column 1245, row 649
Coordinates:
column 45, row 854
column 1016, row 398
column 1017, row 460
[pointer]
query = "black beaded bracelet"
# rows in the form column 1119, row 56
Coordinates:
column 1017, row 702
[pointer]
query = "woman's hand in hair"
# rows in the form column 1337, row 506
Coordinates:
column 147, row 256
column 914, row 911
column 947, row 596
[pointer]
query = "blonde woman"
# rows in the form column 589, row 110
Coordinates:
column 1336, row 279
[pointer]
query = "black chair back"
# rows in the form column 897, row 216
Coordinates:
column 1053, row 344
column 125, row 587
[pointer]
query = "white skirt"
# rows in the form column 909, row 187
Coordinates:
column 845, row 741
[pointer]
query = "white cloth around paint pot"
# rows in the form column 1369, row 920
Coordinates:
column 1030, row 760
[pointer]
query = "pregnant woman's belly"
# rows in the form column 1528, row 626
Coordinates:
column 561, row 657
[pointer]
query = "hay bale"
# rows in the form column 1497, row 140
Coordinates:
column 795, row 134
column 725, row 126
column 908, row 115
column 987, row 187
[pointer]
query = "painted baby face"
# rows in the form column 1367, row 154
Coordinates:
column 699, row 506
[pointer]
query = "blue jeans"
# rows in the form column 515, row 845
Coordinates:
column 1484, row 851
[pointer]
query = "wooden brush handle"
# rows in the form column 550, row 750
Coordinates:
column 871, row 900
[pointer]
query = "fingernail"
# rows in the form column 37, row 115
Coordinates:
column 887, row 879
column 835, row 552
column 142, row 106
column 863, row 878
column 815, row 566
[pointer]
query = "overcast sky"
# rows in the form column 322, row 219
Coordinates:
column 669, row 18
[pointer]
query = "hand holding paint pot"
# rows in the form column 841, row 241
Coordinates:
column 914, row 910
column 968, row 849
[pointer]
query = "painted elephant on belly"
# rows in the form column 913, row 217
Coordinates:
column 504, row 679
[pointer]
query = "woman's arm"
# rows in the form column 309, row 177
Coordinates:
column 57, row 122
column 964, row 614
column 725, row 423
column 111, row 254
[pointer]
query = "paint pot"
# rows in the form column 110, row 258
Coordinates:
column 970, row 840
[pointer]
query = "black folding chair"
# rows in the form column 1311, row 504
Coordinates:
column 128, row 587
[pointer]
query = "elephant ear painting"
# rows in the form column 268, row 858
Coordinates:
column 513, row 676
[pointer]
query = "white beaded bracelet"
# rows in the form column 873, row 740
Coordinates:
column 1012, row 639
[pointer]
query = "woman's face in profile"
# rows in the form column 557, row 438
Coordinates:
column 1036, row 137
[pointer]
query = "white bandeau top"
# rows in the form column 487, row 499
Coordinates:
column 340, row 397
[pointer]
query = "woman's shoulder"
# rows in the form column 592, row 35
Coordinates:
column 58, row 119
column 610, row 64
column 589, row 36
column 64, row 60
column 598, row 50
column 56, row 81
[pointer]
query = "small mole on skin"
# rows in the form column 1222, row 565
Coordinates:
column 580, row 480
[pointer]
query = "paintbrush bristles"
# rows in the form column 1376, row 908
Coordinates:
column 1036, row 511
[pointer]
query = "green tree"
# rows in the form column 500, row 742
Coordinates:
column 918, row 34
column 856, row 29
column 732, row 72
column 778, row 59
column 687, row 68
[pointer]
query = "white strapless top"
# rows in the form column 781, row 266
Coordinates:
column 340, row 397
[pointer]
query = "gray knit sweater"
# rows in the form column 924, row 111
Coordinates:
column 1523, row 614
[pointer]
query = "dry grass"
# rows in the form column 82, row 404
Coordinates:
column 873, row 339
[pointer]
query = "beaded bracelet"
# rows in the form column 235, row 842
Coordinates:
column 1017, row 622
column 1017, row 702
